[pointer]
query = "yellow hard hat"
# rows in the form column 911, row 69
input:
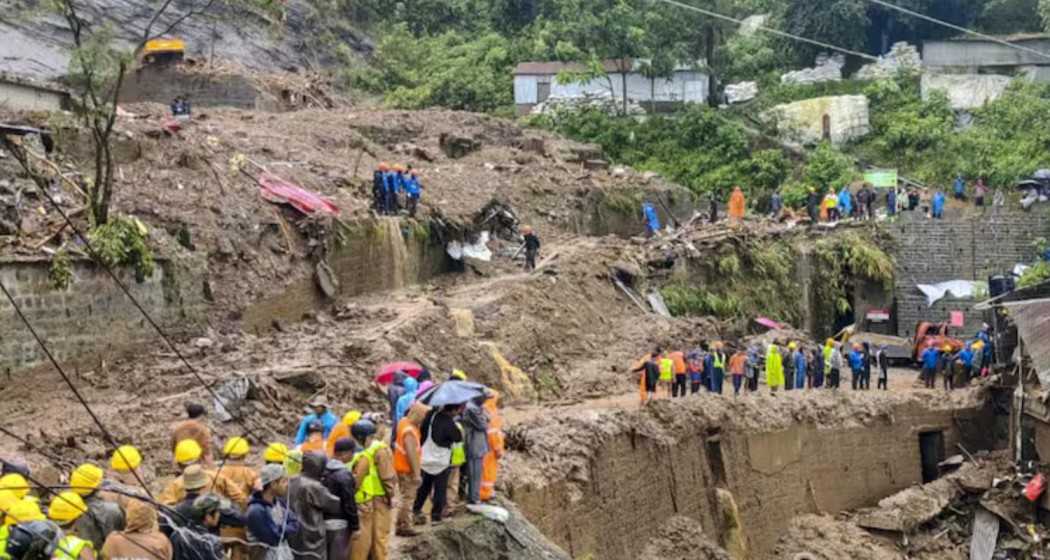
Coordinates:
column 66, row 507
column 187, row 451
column 946, row 348
column 829, row 341
column 792, row 345
column 459, row 374
column 24, row 511
column 85, row 479
column 236, row 447
column 275, row 453
column 15, row 483
column 125, row 458
column 293, row 462
column 351, row 417
column 7, row 499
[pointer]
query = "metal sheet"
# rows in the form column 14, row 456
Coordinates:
column 1033, row 326
column 985, row 535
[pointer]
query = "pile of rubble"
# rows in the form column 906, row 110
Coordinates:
column 828, row 68
column 604, row 101
column 902, row 58
column 741, row 92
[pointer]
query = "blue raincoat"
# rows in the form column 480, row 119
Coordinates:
column 845, row 202
column 652, row 221
column 405, row 400
column 938, row 204
column 328, row 420
column 800, row 369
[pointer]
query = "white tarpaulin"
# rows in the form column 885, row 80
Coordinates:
column 957, row 288
column 478, row 250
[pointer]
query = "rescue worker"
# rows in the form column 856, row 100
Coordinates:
column 929, row 359
column 713, row 214
column 815, row 379
column 959, row 187
column 737, row 367
column 737, row 204
column 718, row 374
column 65, row 509
column 341, row 431
column 813, row 204
column 776, row 206
column 275, row 453
column 16, row 484
column 341, row 524
column 845, row 202
column 141, row 539
column 490, row 464
column 407, row 457
column 457, row 476
column 532, row 248
column 124, row 464
column 193, row 427
column 774, row 368
column 373, row 468
column 379, row 188
column 320, row 413
column 891, row 201
column 799, row 360
column 865, row 380
column 315, row 442
column 195, row 538
column 405, row 401
column 834, row 364
column 311, row 501
column 694, row 365
column 393, row 393
column 830, row 206
column 937, row 205
column 883, row 362
column 985, row 338
column 652, row 220
column 947, row 367
column 235, row 469
column 103, row 517
column 650, row 375
column 413, row 190
column 678, row 385
column 438, row 432
column 666, row 373
column 269, row 521
column 856, row 365
column 476, row 424
column 751, row 371
column 187, row 454
column 393, row 190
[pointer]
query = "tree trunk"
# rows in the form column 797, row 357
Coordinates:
column 652, row 94
column 623, row 79
column 709, row 55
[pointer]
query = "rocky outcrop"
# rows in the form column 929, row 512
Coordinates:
column 827, row 69
column 902, row 58
column 475, row 536
column 38, row 45
column 966, row 91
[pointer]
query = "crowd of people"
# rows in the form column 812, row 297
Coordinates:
column 330, row 494
column 792, row 366
column 396, row 187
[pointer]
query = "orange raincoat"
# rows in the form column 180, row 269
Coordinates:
column 737, row 204
column 490, row 463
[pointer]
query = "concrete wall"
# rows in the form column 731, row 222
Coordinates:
column 966, row 245
column 371, row 256
column 975, row 54
column 803, row 121
column 25, row 97
column 614, row 505
column 92, row 317
column 690, row 87
column 161, row 83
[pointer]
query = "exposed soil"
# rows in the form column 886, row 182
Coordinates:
column 683, row 539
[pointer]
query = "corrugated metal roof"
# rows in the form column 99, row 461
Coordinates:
column 1033, row 326
column 552, row 68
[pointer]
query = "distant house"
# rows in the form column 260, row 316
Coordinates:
column 21, row 94
column 975, row 55
column 535, row 82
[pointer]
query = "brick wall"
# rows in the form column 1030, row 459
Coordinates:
column 160, row 84
column 92, row 317
column 966, row 245
column 612, row 504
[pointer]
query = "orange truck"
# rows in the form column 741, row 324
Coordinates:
column 927, row 332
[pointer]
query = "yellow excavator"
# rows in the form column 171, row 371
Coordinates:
column 163, row 51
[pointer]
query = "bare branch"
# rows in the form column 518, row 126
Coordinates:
column 192, row 12
column 149, row 26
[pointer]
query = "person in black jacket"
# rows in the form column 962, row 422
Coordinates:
column 438, row 432
column 532, row 248
column 338, row 480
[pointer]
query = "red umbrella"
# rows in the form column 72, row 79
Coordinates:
column 386, row 373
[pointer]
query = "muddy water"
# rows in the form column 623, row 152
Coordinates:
column 612, row 503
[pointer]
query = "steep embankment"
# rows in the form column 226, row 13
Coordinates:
column 604, row 481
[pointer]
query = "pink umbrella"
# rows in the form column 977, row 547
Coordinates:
column 386, row 373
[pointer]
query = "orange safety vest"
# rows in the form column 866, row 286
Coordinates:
column 401, row 464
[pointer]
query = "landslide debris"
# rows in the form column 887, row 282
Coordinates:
column 682, row 538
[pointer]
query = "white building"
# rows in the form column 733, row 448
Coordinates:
column 22, row 94
column 535, row 82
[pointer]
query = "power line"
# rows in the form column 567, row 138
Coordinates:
column 22, row 154
column 984, row 36
column 105, row 433
column 772, row 30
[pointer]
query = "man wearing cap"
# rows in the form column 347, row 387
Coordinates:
column 194, row 537
column 193, row 427
column 319, row 406
column 268, row 519
column 102, row 517
column 338, row 480
column 188, row 454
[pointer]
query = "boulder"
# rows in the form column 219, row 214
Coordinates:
column 741, row 92
column 456, row 147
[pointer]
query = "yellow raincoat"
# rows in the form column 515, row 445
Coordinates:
column 774, row 367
